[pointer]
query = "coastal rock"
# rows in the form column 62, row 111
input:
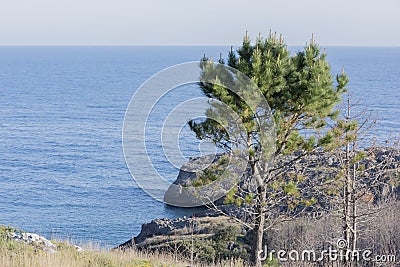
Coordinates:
column 316, row 165
column 180, row 193
column 37, row 241
column 159, row 227
column 207, row 230
column 192, row 169
column 163, row 234
column 34, row 239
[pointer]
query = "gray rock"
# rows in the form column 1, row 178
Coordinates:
column 34, row 239
column 37, row 241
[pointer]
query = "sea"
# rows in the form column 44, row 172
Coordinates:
column 62, row 166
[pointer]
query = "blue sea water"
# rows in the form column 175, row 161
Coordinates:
column 62, row 168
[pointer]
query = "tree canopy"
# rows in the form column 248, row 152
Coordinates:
column 299, row 89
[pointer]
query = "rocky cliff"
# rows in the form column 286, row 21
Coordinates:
column 217, row 231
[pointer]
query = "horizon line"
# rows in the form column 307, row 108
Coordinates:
column 186, row 45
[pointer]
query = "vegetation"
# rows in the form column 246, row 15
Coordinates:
column 17, row 254
column 358, row 181
column 222, row 246
column 380, row 235
column 302, row 97
column 212, row 251
column 212, row 173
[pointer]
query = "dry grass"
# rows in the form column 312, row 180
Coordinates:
column 14, row 254
column 72, row 258
column 379, row 232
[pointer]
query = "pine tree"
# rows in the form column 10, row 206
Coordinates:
column 301, row 94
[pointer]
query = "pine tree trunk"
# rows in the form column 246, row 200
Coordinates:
column 349, row 208
column 258, row 231
column 353, row 244
column 259, row 227
column 347, row 194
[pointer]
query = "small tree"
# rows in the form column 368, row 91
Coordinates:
column 302, row 96
column 361, row 175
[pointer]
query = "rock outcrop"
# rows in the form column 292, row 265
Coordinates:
column 210, row 234
column 184, row 192
column 314, row 166
column 37, row 241
column 169, row 234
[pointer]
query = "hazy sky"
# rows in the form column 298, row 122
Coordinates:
column 195, row 22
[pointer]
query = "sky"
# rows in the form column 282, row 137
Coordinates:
column 194, row 22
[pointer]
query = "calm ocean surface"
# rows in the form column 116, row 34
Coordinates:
column 62, row 168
